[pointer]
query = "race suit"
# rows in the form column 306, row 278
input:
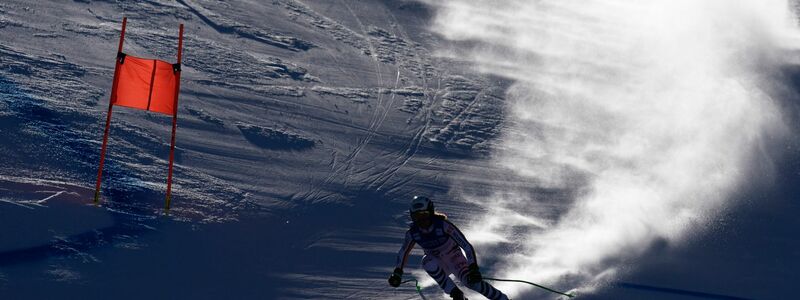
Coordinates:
column 442, row 243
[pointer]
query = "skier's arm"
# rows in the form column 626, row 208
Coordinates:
column 402, row 256
column 461, row 240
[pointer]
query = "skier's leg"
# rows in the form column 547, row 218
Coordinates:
column 482, row 287
column 487, row 290
column 432, row 266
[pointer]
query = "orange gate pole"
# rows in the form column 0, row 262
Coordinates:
column 174, row 118
column 108, row 116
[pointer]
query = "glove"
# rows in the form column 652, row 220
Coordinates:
column 396, row 277
column 473, row 274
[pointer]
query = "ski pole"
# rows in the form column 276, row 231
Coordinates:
column 416, row 284
column 533, row 284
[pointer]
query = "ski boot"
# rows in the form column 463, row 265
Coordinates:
column 457, row 294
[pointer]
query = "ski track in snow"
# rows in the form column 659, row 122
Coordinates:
column 385, row 118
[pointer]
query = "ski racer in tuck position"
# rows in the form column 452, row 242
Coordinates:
column 442, row 243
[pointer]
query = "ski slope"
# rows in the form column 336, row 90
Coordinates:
column 304, row 128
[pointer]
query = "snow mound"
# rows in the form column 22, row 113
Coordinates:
column 272, row 138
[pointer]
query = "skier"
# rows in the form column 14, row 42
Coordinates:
column 442, row 243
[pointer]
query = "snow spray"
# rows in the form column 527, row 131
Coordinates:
column 653, row 111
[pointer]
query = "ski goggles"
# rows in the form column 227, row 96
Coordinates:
column 422, row 214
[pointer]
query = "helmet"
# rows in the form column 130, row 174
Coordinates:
column 421, row 203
